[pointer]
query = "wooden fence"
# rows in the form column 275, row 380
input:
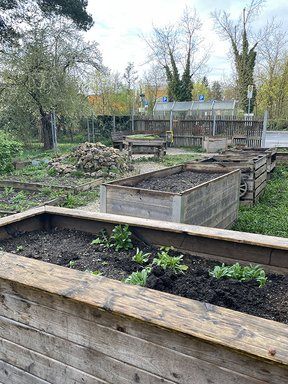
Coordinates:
column 191, row 132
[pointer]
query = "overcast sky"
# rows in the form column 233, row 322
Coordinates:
column 118, row 24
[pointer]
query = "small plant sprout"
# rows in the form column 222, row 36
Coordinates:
column 140, row 257
column 121, row 238
column 103, row 239
column 139, row 277
column 71, row 263
column 96, row 273
column 237, row 272
column 165, row 260
column 19, row 248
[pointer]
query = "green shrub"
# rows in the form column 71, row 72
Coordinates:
column 9, row 148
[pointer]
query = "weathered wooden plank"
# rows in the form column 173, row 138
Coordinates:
column 184, row 344
column 103, row 198
column 261, row 179
column 279, row 258
column 250, row 335
column 125, row 347
column 85, row 359
column 175, row 228
column 144, row 203
column 12, row 375
column 17, row 227
column 260, row 171
column 43, row 367
column 262, row 160
column 260, row 190
column 242, row 252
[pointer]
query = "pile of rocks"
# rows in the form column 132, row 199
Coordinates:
column 95, row 160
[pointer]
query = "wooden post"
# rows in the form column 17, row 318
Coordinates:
column 265, row 123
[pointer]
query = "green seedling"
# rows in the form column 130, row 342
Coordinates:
column 140, row 257
column 96, row 273
column 71, row 263
column 103, row 239
column 237, row 272
column 19, row 248
column 164, row 260
column 121, row 238
column 139, row 277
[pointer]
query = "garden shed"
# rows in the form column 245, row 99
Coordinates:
column 199, row 109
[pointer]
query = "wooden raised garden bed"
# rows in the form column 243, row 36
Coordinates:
column 59, row 325
column 212, row 203
column 271, row 154
column 253, row 172
column 31, row 186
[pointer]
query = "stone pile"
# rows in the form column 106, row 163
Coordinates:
column 95, row 160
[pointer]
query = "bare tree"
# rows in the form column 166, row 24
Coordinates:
column 242, row 44
column 175, row 48
column 272, row 66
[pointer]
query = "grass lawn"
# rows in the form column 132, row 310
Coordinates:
column 270, row 215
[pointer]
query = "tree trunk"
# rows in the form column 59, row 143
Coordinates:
column 47, row 131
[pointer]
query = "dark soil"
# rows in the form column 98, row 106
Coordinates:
column 178, row 182
column 73, row 249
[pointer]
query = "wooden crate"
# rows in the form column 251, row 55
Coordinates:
column 253, row 172
column 60, row 325
column 270, row 152
column 214, row 203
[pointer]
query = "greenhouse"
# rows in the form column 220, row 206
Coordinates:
column 196, row 109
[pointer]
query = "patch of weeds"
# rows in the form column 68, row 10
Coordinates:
column 81, row 198
column 77, row 173
column 8, row 191
column 237, row 272
column 51, row 172
column 19, row 198
column 170, row 160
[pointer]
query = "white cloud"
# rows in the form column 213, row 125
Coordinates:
column 118, row 25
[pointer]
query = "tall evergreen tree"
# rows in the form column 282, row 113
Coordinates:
column 245, row 59
column 186, row 82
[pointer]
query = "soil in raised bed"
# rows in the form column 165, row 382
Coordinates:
column 73, row 249
column 177, row 182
